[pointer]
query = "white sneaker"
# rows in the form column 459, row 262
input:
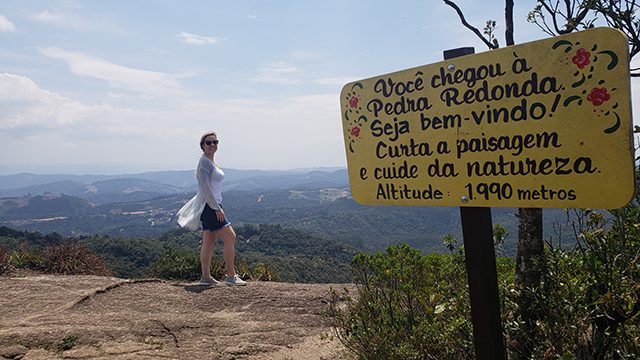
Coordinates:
column 235, row 280
column 209, row 282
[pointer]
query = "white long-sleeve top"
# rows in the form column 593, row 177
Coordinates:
column 209, row 178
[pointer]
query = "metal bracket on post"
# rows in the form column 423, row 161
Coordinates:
column 480, row 259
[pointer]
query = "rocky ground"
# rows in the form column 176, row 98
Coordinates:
column 90, row 317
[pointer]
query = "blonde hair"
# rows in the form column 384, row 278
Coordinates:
column 204, row 136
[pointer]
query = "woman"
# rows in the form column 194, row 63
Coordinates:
column 205, row 207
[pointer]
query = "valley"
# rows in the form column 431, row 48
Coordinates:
column 316, row 201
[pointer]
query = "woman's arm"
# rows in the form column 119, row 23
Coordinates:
column 203, row 175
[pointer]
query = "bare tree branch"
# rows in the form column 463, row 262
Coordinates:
column 542, row 24
column 623, row 19
column 571, row 22
column 570, row 25
column 469, row 26
column 552, row 12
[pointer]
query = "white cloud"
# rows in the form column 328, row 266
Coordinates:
column 24, row 104
column 118, row 76
column 278, row 73
column 290, row 132
column 194, row 39
column 27, row 110
column 72, row 21
column 6, row 25
column 285, row 133
column 62, row 19
column 251, row 17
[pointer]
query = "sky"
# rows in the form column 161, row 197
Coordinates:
column 113, row 87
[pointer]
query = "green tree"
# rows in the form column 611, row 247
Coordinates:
column 554, row 17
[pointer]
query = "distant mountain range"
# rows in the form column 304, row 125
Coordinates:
column 103, row 189
column 145, row 204
column 316, row 201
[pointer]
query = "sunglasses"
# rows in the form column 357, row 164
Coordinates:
column 212, row 142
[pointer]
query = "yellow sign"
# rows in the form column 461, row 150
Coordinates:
column 542, row 124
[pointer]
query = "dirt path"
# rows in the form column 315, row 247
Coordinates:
column 110, row 318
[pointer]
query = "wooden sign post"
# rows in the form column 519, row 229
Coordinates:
column 482, row 275
column 545, row 124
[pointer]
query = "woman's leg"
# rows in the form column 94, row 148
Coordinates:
column 228, row 236
column 206, row 252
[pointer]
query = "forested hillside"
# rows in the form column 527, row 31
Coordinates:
column 327, row 213
column 293, row 255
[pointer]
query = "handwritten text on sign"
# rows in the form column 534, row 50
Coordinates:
column 542, row 124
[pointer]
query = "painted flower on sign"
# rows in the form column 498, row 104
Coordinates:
column 598, row 96
column 591, row 63
column 353, row 102
column 581, row 58
column 354, row 115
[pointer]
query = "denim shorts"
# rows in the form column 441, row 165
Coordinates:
column 210, row 220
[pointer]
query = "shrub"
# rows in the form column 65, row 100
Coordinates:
column 265, row 272
column 408, row 306
column 27, row 259
column 4, row 261
column 73, row 259
column 67, row 343
column 180, row 264
column 242, row 269
column 595, row 289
